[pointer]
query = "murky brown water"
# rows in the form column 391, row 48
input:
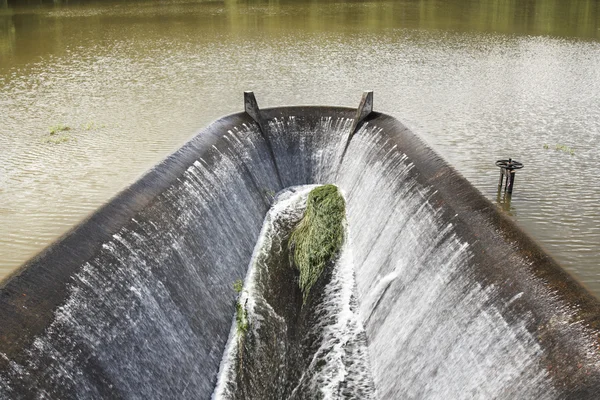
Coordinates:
column 479, row 80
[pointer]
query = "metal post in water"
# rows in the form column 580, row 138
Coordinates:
column 508, row 168
column 510, row 181
column 501, row 178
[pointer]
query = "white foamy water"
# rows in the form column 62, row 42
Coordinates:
column 339, row 367
column 433, row 331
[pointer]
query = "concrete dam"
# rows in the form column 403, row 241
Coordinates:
column 435, row 294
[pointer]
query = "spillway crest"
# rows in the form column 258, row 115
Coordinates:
column 434, row 294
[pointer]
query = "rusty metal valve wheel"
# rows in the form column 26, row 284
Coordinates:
column 509, row 164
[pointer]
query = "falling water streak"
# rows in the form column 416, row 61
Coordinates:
column 342, row 348
column 148, row 315
column 424, row 315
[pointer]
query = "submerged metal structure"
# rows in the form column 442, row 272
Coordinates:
column 456, row 300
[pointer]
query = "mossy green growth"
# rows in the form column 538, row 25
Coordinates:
column 565, row 149
column 238, row 286
column 318, row 237
column 57, row 134
column 57, row 139
column 241, row 318
column 561, row 147
column 58, row 128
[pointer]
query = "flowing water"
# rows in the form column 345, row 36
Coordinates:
column 422, row 302
column 479, row 80
column 294, row 350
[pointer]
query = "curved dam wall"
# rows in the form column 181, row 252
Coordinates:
column 137, row 301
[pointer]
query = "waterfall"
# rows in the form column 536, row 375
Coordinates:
column 294, row 350
column 428, row 321
column 435, row 294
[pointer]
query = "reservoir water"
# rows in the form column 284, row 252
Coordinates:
column 93, row 94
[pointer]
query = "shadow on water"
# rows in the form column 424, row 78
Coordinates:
column 7, row 34
column 576, row 18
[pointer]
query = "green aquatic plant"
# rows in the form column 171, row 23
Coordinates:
column 57, row 135
column 241, row 315
column 58, row 128
column 241, row 318
column 319, row 235
column 92, row 125
column 238, row 285
column 57, row 139
column 565, row 149
column 270, row 193
column 561, row 147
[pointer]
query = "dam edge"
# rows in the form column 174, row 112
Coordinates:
column 30, row 297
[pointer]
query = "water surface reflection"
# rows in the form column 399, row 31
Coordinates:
column 479, row 80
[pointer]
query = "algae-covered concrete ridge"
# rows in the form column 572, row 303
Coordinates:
column 319, row 236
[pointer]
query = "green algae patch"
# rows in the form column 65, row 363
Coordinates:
column 241, row 318
column 318, row 237
column 53, row 130
column 241, row 315
column 238, row 286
